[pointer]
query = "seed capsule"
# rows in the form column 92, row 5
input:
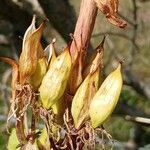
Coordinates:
column 29, row 55
column 59, row 110
column 59, row 107
column 13, row 141
column 39, row 73
column 106, row 98
column 84, row 94
column 54, row 82
column 43, row 141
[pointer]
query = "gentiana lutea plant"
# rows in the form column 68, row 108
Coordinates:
column 64, row 93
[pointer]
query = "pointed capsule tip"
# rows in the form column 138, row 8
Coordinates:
column 103, row 40
column 120, row 62
column 119, row 66
column 34, row 19
column 100, row 47
column 53, row 40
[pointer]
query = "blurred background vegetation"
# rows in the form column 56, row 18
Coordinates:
column 130, row 122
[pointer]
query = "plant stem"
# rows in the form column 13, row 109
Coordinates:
column 84, row 25
column 20, row 126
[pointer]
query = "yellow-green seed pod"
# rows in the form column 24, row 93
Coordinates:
column 84, row 94
column 39, row 73
column 106, row 98
column 43, row 137
column 80, row 103
column 59, row 107
column 54, row 82
column 59, row 110
column 13, row 141
column 43, row 140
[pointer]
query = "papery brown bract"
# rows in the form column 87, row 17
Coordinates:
column 76, row 77
column 91, row 58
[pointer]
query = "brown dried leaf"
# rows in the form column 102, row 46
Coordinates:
column 15, row 73
column 29, row 55
column 110, row 9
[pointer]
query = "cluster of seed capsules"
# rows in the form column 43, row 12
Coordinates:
column 52, row 76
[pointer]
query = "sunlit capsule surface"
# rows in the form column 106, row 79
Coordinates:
column 106, row 98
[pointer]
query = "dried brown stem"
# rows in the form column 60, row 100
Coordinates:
column 20, row 124
column 33, row 126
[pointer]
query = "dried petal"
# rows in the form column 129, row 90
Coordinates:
column 100, row 49
column 29, row 55
column 110, row 9
column 29, row 31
